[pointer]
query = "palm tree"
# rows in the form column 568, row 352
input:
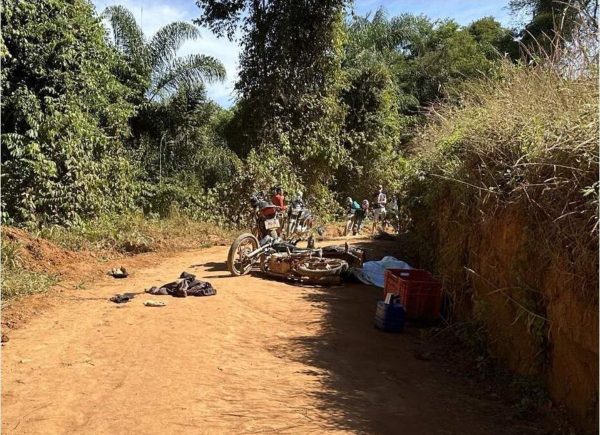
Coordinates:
column 156, row 59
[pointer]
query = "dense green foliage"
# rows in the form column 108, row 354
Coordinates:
column 336, row 113
column 175, row 135
column 394, row 67
column 92, row 124
column 288, row 112
column 64, row 115
column 97, row 120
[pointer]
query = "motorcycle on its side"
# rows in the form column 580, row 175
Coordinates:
column 266, row 250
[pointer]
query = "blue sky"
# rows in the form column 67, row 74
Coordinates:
column 154, row 14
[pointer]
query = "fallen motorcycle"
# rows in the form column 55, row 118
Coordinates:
column 266, row 251
column 285, row 260
column 303, row 267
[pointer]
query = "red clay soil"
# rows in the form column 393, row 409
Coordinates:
column 259, row 357
column 41, row 255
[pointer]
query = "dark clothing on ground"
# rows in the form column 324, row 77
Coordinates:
column 186, row 285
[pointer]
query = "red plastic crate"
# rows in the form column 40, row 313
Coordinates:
column 419, row 292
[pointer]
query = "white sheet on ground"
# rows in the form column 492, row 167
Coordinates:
column 373, row 272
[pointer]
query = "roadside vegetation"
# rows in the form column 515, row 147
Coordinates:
column 528, row 140
column 136, row 233
column 17, row 279
column 488, row 136
column 100, row 120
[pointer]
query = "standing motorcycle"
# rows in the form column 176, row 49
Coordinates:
column 299, row 221
column 266, row 229
column 266, row 219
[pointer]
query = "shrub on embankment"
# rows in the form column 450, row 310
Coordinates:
column 503, row 195
column 33, row 261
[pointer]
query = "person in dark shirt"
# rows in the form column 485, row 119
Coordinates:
column 360, row 215
column 351, row 208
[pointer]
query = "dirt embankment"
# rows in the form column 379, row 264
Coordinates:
column 536, row 298
column 40, row 255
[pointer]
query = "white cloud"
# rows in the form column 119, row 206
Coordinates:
column 155, row 13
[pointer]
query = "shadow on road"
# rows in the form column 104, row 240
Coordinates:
column 214, row 266
column 375, row 382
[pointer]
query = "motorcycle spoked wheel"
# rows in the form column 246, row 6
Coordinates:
column 294, row 276
column 237, row 261
column 317, row 267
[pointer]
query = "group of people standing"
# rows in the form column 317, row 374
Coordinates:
column 357, row 212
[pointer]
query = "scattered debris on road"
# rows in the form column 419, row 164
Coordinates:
column 153, row 303
column 186, row 285
column 118, row 272
column 122, row 298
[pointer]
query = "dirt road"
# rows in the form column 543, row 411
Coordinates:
column 259, row 357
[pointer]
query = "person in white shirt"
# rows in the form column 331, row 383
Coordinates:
column 379, row 209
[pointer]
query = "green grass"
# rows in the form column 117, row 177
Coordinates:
column 135, row 233
column 18, row 281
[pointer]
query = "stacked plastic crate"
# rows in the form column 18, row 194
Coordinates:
column 418, row 292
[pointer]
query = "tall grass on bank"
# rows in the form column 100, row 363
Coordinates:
column 18, row 281
column 137, row 233
column 532, row 134
column 529, row 139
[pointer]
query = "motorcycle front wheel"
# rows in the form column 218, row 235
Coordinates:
column 315, row 267
column 238, row 261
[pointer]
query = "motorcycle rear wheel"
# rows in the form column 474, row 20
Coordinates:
column 237, row 261
column 315, row 267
